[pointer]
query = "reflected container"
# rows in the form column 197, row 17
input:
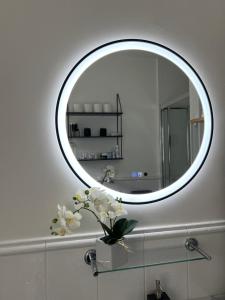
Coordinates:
column 78, row 107
column 98, row 107
column 103, row 132
column 87, row 131
column 88, row 108
column 107, row 108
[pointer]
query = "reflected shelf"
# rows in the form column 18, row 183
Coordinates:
column 94, row 113
column 97, row 159
column 149, row 258
column 197, row 120
column 94, row 136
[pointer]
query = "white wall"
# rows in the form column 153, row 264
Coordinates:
column 173, row 83
column 40, row 42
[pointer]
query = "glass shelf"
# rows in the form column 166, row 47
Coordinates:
column 152, row 257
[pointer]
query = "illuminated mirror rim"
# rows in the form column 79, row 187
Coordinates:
column 82, row 66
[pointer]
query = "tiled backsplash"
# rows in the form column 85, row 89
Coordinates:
column 54, row 269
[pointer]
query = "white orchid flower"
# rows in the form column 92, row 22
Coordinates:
column 97, row 193
column 112, row 214
column 61, row 231
column 103, row 216
column 103, row 206
column 100, row 205
column 81, row 196
column 61, row 215
column 100, row 199
column 67, row 220
column 78, row 205
column 118, row 209
column 73, row 220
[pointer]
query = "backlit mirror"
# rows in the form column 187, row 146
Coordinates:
column 135, row 119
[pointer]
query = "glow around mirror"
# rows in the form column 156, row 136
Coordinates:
column 74, row 76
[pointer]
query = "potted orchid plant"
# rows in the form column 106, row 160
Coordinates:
column 107, row 211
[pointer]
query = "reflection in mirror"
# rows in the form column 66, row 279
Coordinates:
column 135, row 121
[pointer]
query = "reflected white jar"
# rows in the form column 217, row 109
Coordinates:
column 107, row 108
column 98, row 107
column 78, row 107
column 88, row 108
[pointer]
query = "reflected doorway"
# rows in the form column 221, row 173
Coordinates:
column 175, row 143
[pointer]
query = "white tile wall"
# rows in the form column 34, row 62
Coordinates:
column 63, row 275
column 121, row 285
column 68, row 277
column 173, row 277
column 208, row 277
column 22, row 277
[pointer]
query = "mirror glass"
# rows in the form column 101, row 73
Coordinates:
column 134, row 122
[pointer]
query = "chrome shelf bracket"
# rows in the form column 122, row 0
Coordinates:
column 90, row 259
column 192, row 244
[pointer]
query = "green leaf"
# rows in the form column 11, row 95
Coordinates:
column 123, row 227
column 109, row 240
column 107, row 229
column 130, row 225
column 119, row 227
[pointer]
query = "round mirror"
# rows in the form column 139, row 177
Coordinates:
column 134, row 118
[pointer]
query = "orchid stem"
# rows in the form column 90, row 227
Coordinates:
column 111, row 224
column 95, row 217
